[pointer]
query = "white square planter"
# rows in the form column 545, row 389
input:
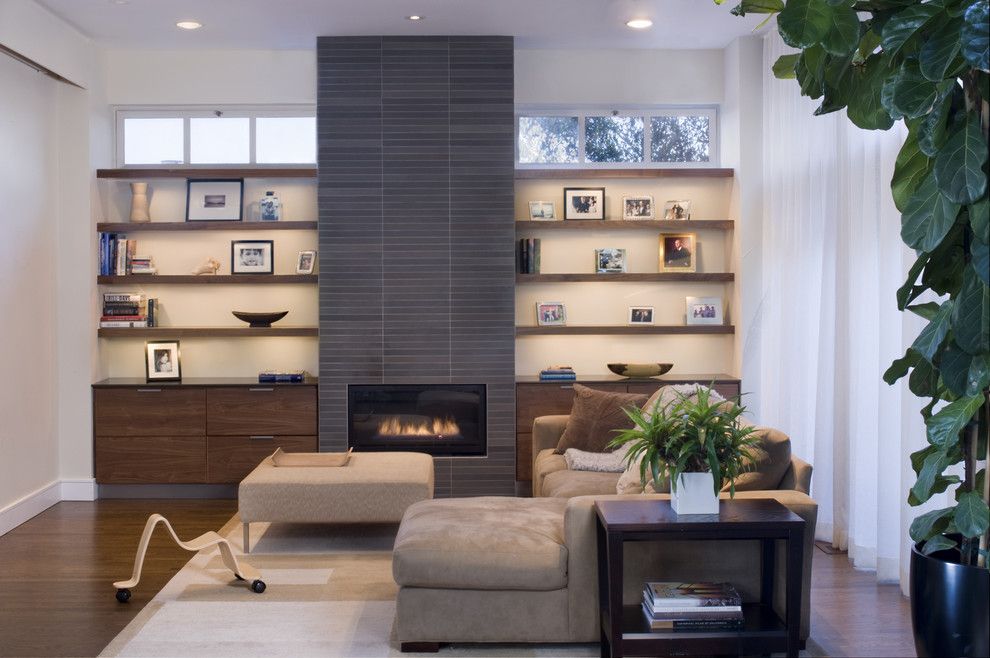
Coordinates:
column 694, row 494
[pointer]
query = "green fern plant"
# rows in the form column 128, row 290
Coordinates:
column 692, row 434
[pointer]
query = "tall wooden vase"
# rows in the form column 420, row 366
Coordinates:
column 139, row 203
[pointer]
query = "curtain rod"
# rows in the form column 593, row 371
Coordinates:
column 36, row 66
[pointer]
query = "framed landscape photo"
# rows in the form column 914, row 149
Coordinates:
column 551, row 314
column 638, row 207
column 640, row 315
column 677, row 252
column 218, row 200
column 677, row 210
column 252, row 257
column 542, row 210
column 161, row 361
column 306, row 262
column 704, row 310
column 584, row 203
column 610, row 261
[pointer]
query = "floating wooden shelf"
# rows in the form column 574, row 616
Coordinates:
column 631, row 330
column 643, row 224
column 214, row 279
column 678, row 172
column 130, row 227
column 205, row 332
column 132, row 173
column 627, row 277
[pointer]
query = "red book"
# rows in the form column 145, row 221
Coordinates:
column 123, row 318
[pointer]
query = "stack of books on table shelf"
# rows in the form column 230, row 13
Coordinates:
column 692, row 606
column 116, row 253
column 128, row 309
column 142, row 265
column 558, row 374
column 528, row 256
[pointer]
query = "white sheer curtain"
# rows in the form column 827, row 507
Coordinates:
column 833, row 259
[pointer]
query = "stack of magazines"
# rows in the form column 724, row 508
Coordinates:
column 558, row 374
column 692, row 606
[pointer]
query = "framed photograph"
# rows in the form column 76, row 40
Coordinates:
column 219, row 200
column 551, row 314
column 704, row 310
column 584, row 203
column 610, row 261
column 161, row 361
column 677, row 210
column 640, row 315
column 306, row 262
column 638, row 207
column 542, row 210
column 677, row 252
column 252, row 257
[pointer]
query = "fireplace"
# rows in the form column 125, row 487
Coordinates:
column 439, row 419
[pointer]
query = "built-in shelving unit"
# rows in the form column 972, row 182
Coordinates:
column 206, row 279
column 206, row 332
column 628, row 277
column 674, row 172
column 619, row 224
column 130, row 227
column 579, row 330
column 139, row 173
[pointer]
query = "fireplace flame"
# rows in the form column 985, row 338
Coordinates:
column 437, row 427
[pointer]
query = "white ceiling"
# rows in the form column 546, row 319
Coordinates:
column 295, row 24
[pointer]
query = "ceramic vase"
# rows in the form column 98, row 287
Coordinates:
column 139, row 203
column 694, row 494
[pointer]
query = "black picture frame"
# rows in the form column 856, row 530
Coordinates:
column 191, row 183
column 151, row 376
column 571, row 214
column 270, row 269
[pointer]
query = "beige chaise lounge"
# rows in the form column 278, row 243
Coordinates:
column 525, row 570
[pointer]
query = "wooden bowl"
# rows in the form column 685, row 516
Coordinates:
column 638, row 370
column 260, row 319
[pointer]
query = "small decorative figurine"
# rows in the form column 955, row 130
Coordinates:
column 209, row 266
column 271, row 207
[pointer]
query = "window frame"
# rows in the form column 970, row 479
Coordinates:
column 644, row 111
column 187, row 112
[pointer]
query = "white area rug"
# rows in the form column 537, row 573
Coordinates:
column 330, row 593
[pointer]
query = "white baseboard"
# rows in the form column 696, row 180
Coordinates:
column 29, row 506
column 79, row 489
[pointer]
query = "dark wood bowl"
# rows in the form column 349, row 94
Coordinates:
column 260, row 319
column 640, row 370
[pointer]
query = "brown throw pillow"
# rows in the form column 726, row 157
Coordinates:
column 593, row 418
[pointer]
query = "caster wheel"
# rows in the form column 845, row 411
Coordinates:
column 123, row 595
column 258, row 586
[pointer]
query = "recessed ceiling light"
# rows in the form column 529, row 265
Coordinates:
column 639, row 23
column 414, row 17
column 189, row 25
column 119, row 2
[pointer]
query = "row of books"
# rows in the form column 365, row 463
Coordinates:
column 128, row 309
column 692, row 606
column 558, row 374
column 118, row 256
column 528, row 256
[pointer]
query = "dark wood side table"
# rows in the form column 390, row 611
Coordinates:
column 625, row 631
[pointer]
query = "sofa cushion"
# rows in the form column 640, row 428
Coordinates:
column 773, row 458
column 567, row 484
column 594, row 418
column 494, row 542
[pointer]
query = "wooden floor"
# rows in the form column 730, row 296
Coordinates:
column 56, row 598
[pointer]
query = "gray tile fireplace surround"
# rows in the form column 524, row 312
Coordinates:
column 416, row 281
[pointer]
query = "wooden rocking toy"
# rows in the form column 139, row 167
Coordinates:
column 241, row 570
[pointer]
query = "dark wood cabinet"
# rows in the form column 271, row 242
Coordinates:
column 197, row 431
column 535, row 398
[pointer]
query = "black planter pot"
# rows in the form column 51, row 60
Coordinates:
column 950, row 606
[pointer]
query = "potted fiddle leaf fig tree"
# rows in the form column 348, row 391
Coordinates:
column 925, row 63
column 697, row 442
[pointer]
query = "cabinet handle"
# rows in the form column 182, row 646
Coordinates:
column 262, row 437
column 567, row 386
column 149, row 390
column 261, row 390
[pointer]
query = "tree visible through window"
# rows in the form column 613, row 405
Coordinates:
column 680, row 139
column 613, row 139
column 545, row 140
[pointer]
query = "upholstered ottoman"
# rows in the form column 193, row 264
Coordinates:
column 374, row 487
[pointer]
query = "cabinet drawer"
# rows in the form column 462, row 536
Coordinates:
column 533, row 400
column 247, row 411
column 524, row 457
column 230, row 458
column 149, row 411
column 150, row 459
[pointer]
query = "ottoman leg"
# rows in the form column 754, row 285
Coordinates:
column 419, row 647
column 247, row 537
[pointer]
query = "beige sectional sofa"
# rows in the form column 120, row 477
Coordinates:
column 524, row 569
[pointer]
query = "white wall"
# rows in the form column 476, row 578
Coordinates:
column 31, row 30
column 29, row 189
